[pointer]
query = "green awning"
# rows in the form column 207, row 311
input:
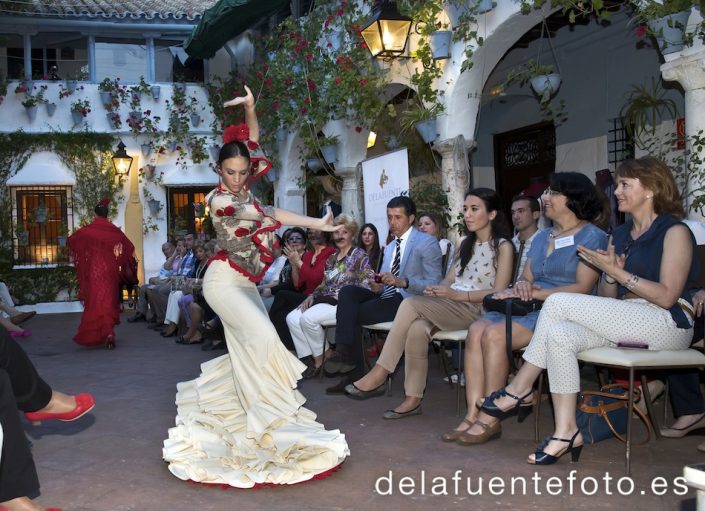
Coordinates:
column 226, row 20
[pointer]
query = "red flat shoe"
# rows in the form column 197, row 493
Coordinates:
column 84, row 404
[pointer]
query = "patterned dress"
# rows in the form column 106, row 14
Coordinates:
column 241, row 422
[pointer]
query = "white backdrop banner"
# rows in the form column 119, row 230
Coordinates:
column 385, row 177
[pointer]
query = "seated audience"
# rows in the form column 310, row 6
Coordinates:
column 184, row 286
column 643, row 299
column 525, row 217
column 347, row 266
column 412, row 262
column 306, row 275
column 482, row 265
column 552, row 266
column 172, row 253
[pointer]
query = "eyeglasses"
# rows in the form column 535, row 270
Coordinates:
column 550, row 192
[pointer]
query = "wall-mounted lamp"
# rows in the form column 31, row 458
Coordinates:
column 371, row 139
column 387, row 32
column 121, row 162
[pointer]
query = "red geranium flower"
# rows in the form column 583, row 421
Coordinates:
column 358, row 128
column 641, row 30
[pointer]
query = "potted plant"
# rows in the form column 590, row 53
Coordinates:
column 544, row 82
column 31, row 102
column 79, row 110
column 62, row 234
column 156, row 91
column 423, row 119
column 329, row 148
column 666, row 21
column 645, row 107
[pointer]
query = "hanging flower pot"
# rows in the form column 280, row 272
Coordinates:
column 214, row 151
column 154, row 206
column 40, row 214
column 61, row 240
column 22, row 238
column 136, row 116
column 440, row 44
column 546, row 84
column 484, row 6
column 136, row 97
column 181, row 87
column 281, row 135
column 106, row 98
column 427, row 130
column 31, row 112
column 51, row 108
column 71, row 86
column 195, row 119
column 156, row 90
column 146, row 149
column 171, row 146
column 77, row 117
column 314, row 165
column 669, row 31
column 330, row 153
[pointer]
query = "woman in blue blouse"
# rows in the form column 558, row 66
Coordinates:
column 552, row 266
column 348, row 266
column 643, row 299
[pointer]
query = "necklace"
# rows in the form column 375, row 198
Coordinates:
column 553, row 235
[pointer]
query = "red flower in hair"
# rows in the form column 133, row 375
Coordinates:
column 241, row 231
column 228, row 211
column 104, row 202
column 238, row 133
column 252, row 145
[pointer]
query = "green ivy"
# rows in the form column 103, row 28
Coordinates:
column 37, row 285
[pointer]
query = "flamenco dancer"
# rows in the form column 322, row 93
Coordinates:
column 242, row 422
column 99, row 250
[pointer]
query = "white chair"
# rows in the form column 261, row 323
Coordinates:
column 642, row 360
column 457, row 337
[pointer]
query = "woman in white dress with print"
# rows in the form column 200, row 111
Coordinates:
column 241, row 422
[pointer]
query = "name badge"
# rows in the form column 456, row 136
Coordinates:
column 567, row 241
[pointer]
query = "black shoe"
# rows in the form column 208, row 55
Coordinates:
column 218, row 344
column 137, row 317
column 311, row 372
column 339, row 388
column 156, row 326
column 352, row 391
column 170, row 334
column 337, row 364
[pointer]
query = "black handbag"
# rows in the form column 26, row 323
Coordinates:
column 516, row 306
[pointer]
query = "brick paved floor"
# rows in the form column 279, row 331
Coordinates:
column 111, row 459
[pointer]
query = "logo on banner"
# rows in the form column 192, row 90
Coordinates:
column 383, row 178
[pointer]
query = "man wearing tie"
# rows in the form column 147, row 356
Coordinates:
column 412, row 261
column 525, row 217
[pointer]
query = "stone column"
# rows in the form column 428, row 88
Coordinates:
column 287, row 191
column 350, row 194
column 689, row 71
column 455, row 175
column 133, row 221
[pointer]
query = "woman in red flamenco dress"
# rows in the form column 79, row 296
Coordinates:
column 99, row 251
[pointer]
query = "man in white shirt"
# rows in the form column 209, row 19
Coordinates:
column 525, row 216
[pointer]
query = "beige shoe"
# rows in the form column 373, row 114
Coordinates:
column 656, row 388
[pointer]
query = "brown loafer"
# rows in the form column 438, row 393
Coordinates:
column 489, row 433
column 22, row 317
column 454, row 434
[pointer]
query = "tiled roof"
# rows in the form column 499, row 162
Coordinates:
column 186, row 10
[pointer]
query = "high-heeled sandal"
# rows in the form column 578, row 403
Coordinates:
column 543, row 458
column 453, row 434
column 84, row 404
column 110, row 342
column 521, row 408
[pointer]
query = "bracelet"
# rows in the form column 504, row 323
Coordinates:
column 631, row 282
column 605, row 278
